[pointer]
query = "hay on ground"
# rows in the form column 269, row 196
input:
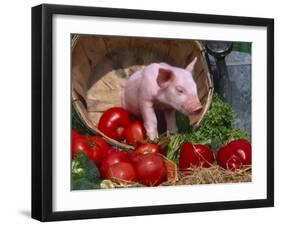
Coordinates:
column 212, row 175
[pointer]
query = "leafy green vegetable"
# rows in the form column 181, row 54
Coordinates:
column 215, row 130
column 217, row 123
column 182, row 123
column 84, row 173
column 77, row 123
column 236, row 134
column 242, row 47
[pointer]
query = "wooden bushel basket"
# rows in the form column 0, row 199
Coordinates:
column 102, row 64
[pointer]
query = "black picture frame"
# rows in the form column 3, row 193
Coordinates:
column 42, row 108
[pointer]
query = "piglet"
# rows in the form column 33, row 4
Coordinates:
column 163, row 87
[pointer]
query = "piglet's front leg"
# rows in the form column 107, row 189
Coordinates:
column 170, row 116
column 149, row 120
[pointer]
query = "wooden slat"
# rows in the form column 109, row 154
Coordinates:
column 179, row 51
column 113, row 43
column 81, row 70
column 94, row 48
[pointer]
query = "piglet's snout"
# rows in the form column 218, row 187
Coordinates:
column 194, row 107
column 197, row 110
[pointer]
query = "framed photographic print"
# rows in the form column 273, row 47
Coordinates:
column 145, row 112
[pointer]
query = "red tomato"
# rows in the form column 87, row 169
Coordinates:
column 150, row 169
column 144, row 149
column 235, row 154
column 94, row 147
column 111, row 160
column 135, row 133
column 97, row 148
column 113, row 123
column 195, row 156
column 123, row 171
column 75, row 134
column 110, row 151
column 79, row 143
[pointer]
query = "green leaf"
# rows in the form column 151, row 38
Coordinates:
column 84, row 184
column 78, row 124
column 242, row 47
column 182, row 123
column 84, row 173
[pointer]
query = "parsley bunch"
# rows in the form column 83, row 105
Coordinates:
column 84, row 173
column 215, row 130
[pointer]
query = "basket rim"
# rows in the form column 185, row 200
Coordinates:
column 75, row 98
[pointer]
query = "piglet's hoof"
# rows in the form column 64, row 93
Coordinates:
column 155, row 140
column 170, row 133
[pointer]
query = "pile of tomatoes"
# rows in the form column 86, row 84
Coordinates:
column 233, row 156
column 145, row 164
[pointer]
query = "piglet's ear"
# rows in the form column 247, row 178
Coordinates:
column 165, row 76
column 191, row 65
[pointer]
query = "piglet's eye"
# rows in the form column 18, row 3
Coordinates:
column 179, row 89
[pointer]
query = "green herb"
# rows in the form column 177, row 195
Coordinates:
column 183, row 123
column 215, row 130
column 242, row 47
column 236, row 134
column 77, row 123
column 84, row 173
